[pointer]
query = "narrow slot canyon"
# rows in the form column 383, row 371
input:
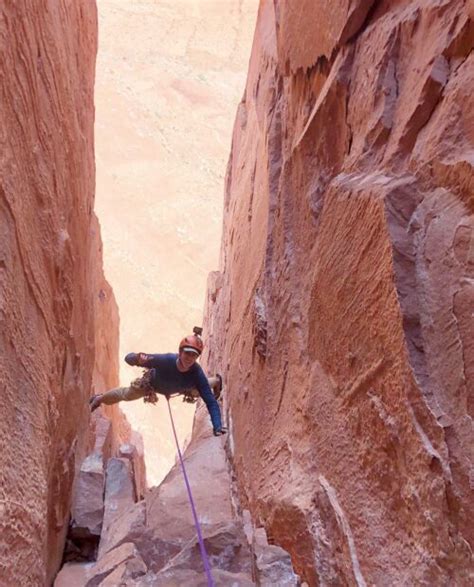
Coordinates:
column 296, row 178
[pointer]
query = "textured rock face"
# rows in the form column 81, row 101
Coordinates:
column 161, row 526
column 342, row 312
column 154, row 542
column 53, row 296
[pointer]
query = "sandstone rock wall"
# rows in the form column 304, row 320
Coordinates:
column 53, row 296
column 341, row 316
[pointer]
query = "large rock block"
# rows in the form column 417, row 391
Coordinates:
column 161, row 527
column 72, row 575
column 88, row 504
column 134, row 452
column 272, row 563
column 124, row 561
column 226, row 548
column 119, row 496
column 102, row 436
column 178, row 578
column 129, row 526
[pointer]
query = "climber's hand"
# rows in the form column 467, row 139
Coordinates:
column 151, row 398
column 220, row 431
column 136, row 359
column 132, row 359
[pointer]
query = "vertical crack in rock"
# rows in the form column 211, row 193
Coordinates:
column 260, row 325
column 346, row 529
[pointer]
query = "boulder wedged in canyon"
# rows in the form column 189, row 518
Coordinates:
column 111, row 478
column 58, row 317
column 154, row 542
column 341, row 316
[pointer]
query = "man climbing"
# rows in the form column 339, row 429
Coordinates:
column 168, row 374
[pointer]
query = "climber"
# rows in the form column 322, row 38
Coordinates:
column 170, row 374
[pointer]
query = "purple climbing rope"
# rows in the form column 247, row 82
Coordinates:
column 205, row 559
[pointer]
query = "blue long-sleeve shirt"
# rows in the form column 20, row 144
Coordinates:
column 167, row 379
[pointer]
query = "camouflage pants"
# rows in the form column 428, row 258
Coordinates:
column 141, row 387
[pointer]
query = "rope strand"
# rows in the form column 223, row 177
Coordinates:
column 205, row 560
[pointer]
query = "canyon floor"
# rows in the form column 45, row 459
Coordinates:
column 169, row 78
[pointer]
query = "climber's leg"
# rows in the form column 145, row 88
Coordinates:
column 192, row 394
column 121, row 394
column 116, row 395
column 215, row 384
column 140, row 387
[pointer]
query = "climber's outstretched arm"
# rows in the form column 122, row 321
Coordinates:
column 142, row 360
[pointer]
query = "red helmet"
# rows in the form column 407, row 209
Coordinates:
column 192, row 343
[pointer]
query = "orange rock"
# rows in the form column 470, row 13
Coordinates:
column 340, row 315
column 162, row 530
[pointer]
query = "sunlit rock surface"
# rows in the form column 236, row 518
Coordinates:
column 154, row 542
column 170, row 75
column 51, row 282
column 342, row 317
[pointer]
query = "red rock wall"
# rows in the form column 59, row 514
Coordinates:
column 342, row 313
column 51, row 282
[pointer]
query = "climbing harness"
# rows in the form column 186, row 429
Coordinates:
column 202, row 547
column 190, row 396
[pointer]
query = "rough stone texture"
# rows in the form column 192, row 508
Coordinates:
column 88, row 504
column 342, row 313
column 106, row 366
column 125, row 573
column 125, row 555
column 104, row 486
column 50, row 277
column 130, row 526
column 87, row 509
column 72, row 575
column 119, row 496
column 134, row 452
column 58, row 317
column 178, row 578
column 272, row 563
column 161, row 526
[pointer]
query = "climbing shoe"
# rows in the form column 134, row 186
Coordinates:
column 95, row 401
